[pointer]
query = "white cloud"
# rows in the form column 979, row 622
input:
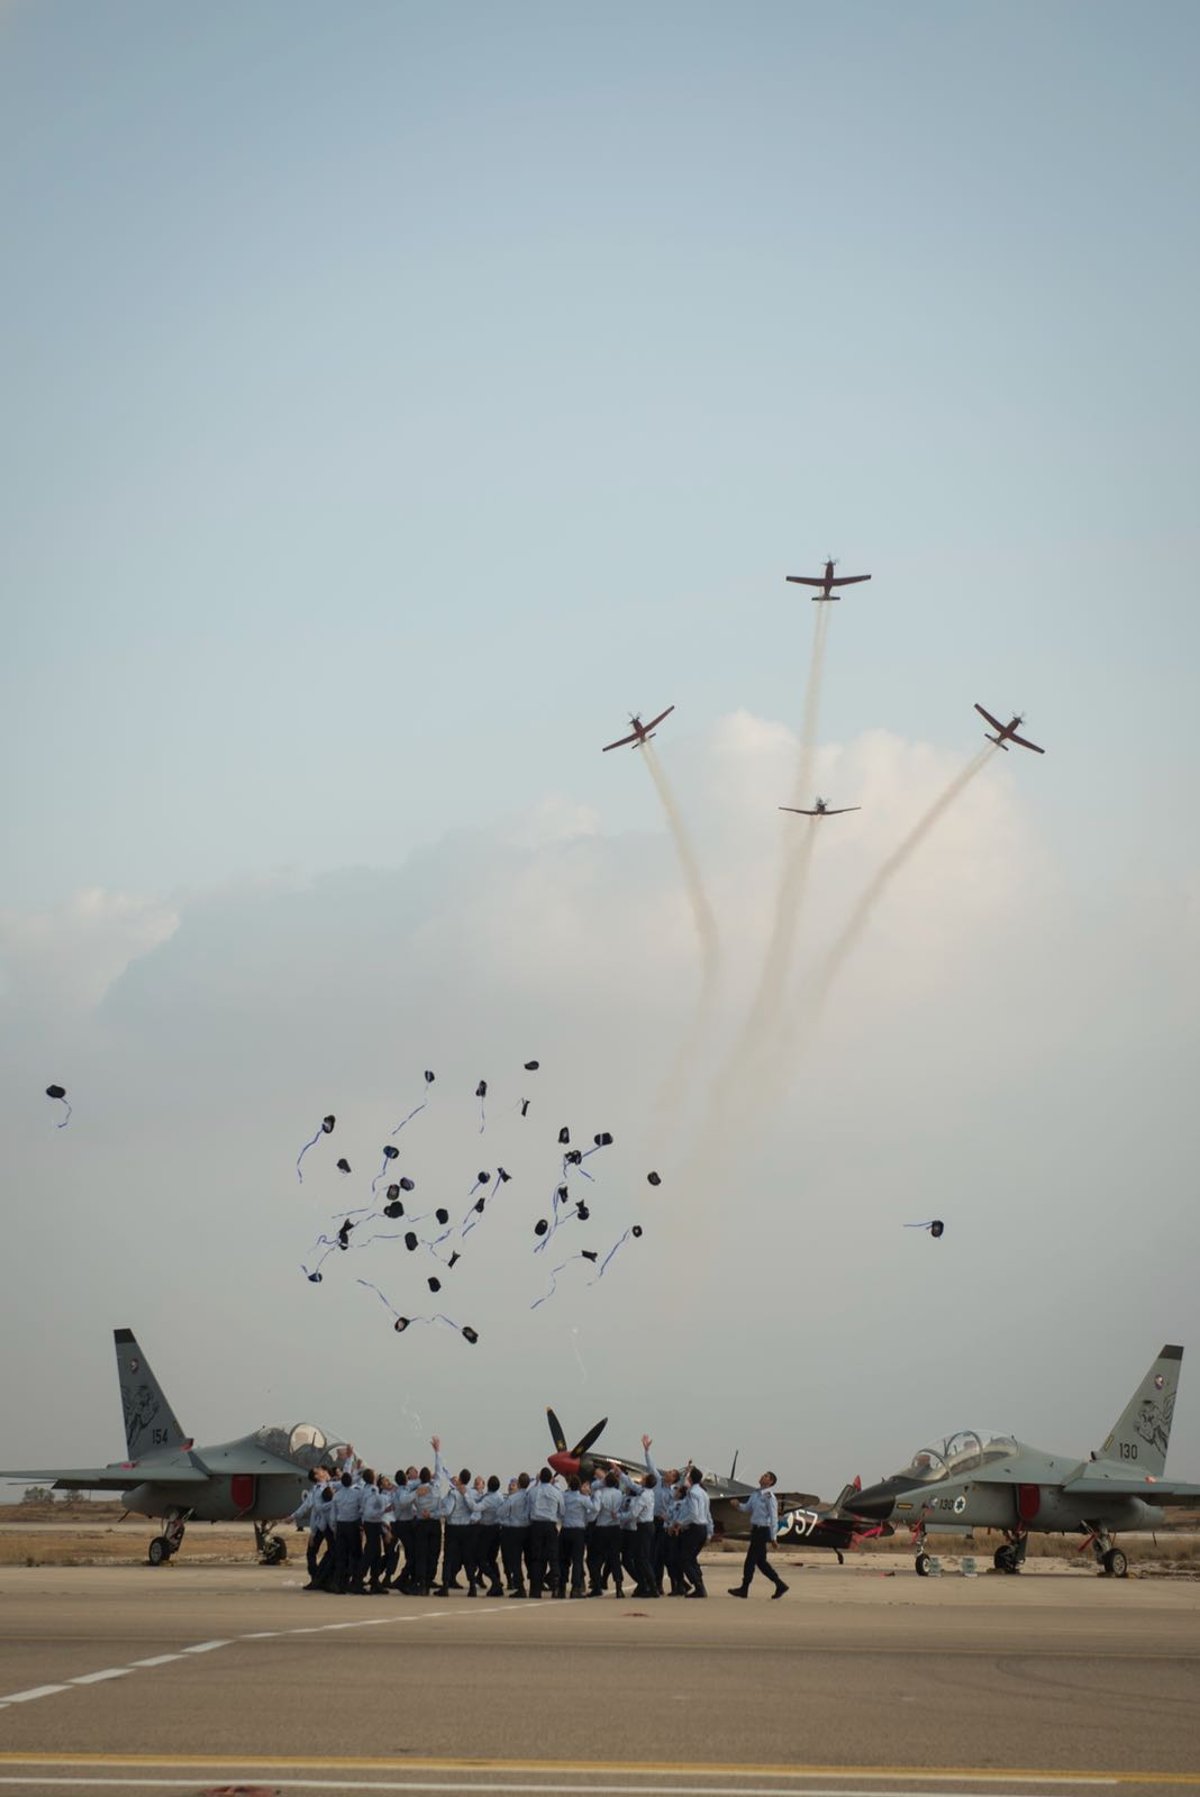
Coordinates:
column 69, row 957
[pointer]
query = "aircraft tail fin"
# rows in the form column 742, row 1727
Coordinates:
column 150, row 1423
column 1138, row 1439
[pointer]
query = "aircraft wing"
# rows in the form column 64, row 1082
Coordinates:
column 620, row 743
column 1026, row 744
column 108, row 1478
column 849, row 580
column 1158, row 1492
column 799, row 811
column 994, row 722
column 802, row 580
column 654, row 722
column 840, row 810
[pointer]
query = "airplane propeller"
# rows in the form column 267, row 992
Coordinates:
column 556, row 1432
column 584, row 1443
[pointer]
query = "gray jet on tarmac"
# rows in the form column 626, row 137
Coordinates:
column 980, row 1481
column 258, row 1479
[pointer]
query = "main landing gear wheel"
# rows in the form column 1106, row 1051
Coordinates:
column 1115, row 1565
column 1005, row 1559
column 159, row 1551
column 274, row 1552
column 922, row 1564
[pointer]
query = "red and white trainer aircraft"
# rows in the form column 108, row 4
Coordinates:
column 641, row 733
column 1006, row 733
column 827, row 581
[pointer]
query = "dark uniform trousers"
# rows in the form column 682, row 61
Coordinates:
column 543, row 1556
column 347, row 1564
column 674, row 1558
column 572, row 1543
column 659, row 1552
column 608, row 1541
column 372, row 1560
column 459, row 1555
column 406, row 1535
column 756, row 1558
column 643, row 1561
column 595, row 1555
column 487, row 1547
column 428, row 1546
column 320, row 1556
column 512, row 1549
column 693, row 1539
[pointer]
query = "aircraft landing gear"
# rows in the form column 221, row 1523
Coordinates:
column 169, row 1542
column 921, row 1562
column 1110, row 1559
column 272, row 1549
column 1011, row 1557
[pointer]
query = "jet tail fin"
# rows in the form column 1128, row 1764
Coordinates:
column 150, row 1423
column 1138, row 1439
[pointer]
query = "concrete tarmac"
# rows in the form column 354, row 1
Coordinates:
column 863, row 1679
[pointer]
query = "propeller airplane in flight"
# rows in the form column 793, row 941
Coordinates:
column 641, row 733
column 820, row 809
column 1006, row 733
column 827, row 581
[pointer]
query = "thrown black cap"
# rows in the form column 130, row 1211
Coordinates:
column 391, row 1152
column 393, row 1209
column 435, row 1285
column 443, row 1216
column 636, row 1230
column 472, row 1335
column 428, row 1077
column 603, row 1140
column 407, row 1185
column 482, row 1177
column 411, row 1240
column 524, row 1107
column 588, row 1254
column 400, row 1325
column 314, row 1278
column 582, row 1212
column 562, row 1194
column 574, row 1158
column 327, row 1124
column 56, row 1091
column 532, row 1066
column 564, row 1135
column 344, row 1234
column 652, row 1179
column 454, row 1258
column 937, row 1227
column 503, row 1176
column 343, row 1166
column 541, row 1226
column 393, row 1192
column 481, row 1089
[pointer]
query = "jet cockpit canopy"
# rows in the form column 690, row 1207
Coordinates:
column 958, row 1454
column 304, row 1444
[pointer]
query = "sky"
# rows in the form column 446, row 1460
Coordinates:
column 397, row 398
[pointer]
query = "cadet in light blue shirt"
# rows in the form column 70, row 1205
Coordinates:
column 763, row 1510
column 514, row 1533
column 579, row 1509
column 545, row 1514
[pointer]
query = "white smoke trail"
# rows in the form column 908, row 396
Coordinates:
column 705, row 926
column 860, row 917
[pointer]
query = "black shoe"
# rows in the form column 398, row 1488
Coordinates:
column 472, row 1592
column 495, row 1591
column 619, row 1592
column 697, row 1594
column 516, row 1594
column 779, row 1590
column 596, row 1593
column 738, row 1591
column 440, row 1591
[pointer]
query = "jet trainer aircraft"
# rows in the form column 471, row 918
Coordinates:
column 258, row 1479
column 827, row 582
column 1006, row 733
column 820, row 809
column 980, row 1481
column 641, row 733
column 802, row 1517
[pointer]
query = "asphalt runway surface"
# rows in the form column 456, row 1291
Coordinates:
column 862, row 1680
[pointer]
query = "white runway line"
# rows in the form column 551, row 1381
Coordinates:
column 97, row 1678
column 187, row 1784
column 205, row 1646
column 158, row 1659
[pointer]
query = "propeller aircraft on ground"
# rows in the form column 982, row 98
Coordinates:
column 802, row 1517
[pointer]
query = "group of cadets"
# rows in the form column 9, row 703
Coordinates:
column 415, row 1534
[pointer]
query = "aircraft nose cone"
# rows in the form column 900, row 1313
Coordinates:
column 875, row 1503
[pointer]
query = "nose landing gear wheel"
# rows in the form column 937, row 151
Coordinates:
column 922, row 1565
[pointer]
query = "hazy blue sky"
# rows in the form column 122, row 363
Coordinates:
column 398, row 395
